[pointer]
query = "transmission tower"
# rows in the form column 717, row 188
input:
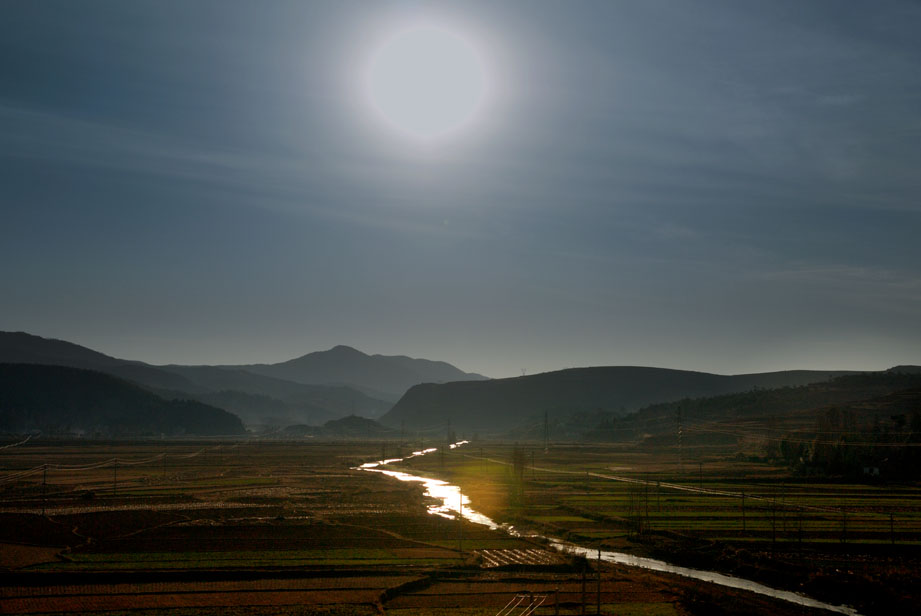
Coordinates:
column 546, row 433
column 680, row 433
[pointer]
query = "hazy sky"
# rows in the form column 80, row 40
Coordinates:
column 726, row 186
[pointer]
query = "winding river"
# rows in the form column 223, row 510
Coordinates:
column 452, row 502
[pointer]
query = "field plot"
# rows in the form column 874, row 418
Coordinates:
column 501, row 558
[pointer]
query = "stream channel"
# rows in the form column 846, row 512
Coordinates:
column 452, row 502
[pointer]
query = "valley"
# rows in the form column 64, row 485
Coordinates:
column 263, row 525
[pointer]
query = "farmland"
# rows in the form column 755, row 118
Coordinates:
column 171, row 527
column 711, row 509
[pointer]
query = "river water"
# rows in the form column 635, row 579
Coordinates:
column 451, row 501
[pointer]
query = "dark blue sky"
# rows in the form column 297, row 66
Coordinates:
column 726, row 186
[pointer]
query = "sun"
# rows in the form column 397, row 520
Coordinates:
column 426, row 82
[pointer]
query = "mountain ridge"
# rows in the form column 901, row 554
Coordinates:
column 341, row 364
column 65, row 400
column 503, row 404
column 258, row 398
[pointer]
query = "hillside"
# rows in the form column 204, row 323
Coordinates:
column 344, row 365
column 495, row 406
column 834, row 428
column 869, row 397
column 258, row 399
column 268, row 400
column 351, row 427
column 64, row 400
column 23, row 348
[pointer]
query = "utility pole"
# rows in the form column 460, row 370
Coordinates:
column 598, row 598
column 774, row 521
column 115, row 478
column 844, row 524
column 680, row 441
column 743, row 511
column 783, row 507
column 460, row 522
column 45, row 483
column 645, row 503
column 546, row 433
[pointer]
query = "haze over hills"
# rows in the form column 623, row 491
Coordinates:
column 266, row 400
column 255, row 398
column 849, row 425
column 282, row 394
column 388, row 375
column 23, row 348
column 332, row 384
column 65, row 400
column 499, row 405
column 351, row 427
column 781, row 409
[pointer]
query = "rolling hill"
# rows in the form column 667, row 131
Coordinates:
column 323, row 386
column 496, row 406
column 64, row 400
column 351, row 427
column 777, row 411
column 23, row 348
column 381, row 374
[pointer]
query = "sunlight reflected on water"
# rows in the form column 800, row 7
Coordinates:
column 452, row 502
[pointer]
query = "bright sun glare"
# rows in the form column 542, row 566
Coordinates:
column 426, row 82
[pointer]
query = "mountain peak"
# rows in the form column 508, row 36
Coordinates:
column 342, row 349
column 906, row 369
column 382, row 375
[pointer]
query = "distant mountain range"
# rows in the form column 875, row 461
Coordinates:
column 312, row 389
column 331, row 385
column 64, row 400
column 500, row 405
column 381, row 375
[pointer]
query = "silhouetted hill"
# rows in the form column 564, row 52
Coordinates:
column 65, row 400
column 836, row 428
column 347, row 366
column 778, row 410
column 23, row 348
column 244, row 393
column 502, row 404
column 315, row 405
column 351, row 427
column 252, row 396
column 906, row 369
